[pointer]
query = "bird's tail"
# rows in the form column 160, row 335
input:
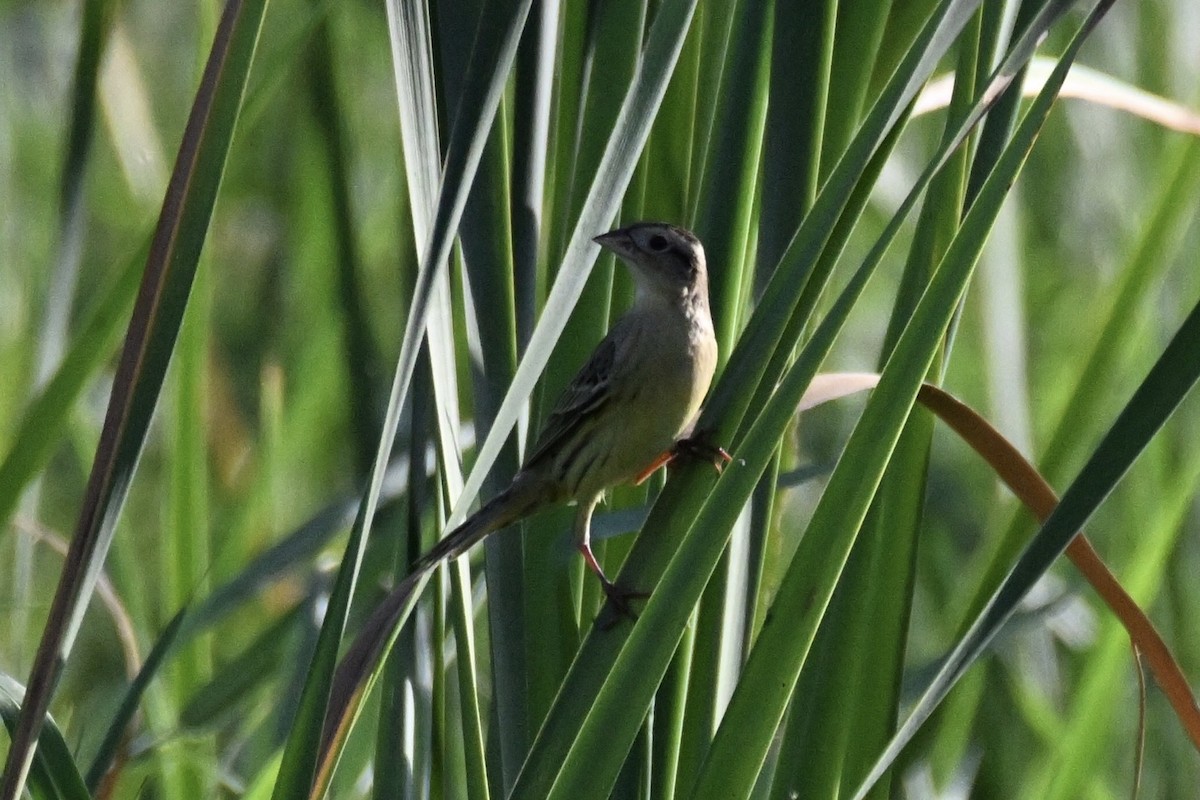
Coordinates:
column 516, row 502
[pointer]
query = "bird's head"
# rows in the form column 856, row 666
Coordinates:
column 667, row 262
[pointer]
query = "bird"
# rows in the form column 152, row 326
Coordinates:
column 628, row 410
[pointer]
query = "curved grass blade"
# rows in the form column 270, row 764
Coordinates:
column 1171, row 378
column 158, row 312
column 1084, row 83
column 1036, row 495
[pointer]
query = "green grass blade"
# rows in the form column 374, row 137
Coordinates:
column 561, row 736
column 116, row 733
column 41, row 426
column 801, row 55
column 54, row 774
column 259, row 662
column 157, row 315
column 404, row 716
column 360, row 348
column 531, row 140
column 96, row 24
column 1163, row 389
column 491, row 62
column 1005, row 600
column 725, row 229
column 782, row 647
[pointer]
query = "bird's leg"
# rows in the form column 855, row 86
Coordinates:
column 583, row 542
column 664, row 458
column 695, row 446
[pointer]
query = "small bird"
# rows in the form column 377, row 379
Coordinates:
column 624, row 413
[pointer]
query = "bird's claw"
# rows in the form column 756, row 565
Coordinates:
column 698, row 446
column 619, row 599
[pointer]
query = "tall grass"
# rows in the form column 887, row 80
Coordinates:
column 371, row 272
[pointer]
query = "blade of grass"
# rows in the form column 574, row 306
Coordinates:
column 531, row 134
column 360, row 349
column 46, row 417
column 185, row 543
column 406, row 698
column 312, row 741
column 863, row 635
column 560, row 738
column 724, row 227
column 629, row 134
column 781, row 648
column 157, row 315
column 54, row 774
column 96, row 24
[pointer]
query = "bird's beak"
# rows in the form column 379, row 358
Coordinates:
column 618, row 241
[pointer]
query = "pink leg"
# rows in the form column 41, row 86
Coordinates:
column 616, row 595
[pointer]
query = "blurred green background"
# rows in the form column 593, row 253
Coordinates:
column 276, row 395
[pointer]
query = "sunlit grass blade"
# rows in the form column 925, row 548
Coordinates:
column 1002, row 605
column 782, row 647
column 490, row 64
column 725, row 228
column 675, row 508
column 1019, row 475
column 157, row 315
column 861, row 643
column 407, row 696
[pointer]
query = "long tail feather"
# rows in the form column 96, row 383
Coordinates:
column 516, row 502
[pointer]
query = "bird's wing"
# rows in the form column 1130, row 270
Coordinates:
column 588, row 392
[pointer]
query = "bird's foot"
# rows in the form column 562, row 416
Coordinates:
column 697, row 446
column 618, row 597
column 700, row 447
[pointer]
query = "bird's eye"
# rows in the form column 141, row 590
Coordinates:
column 658, row 243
